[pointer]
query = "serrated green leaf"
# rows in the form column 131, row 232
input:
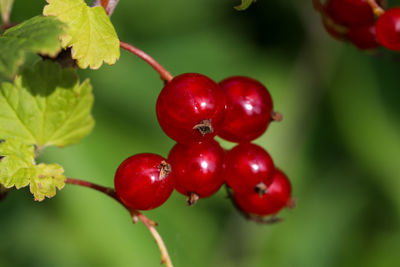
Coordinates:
column 46, row 106
column 5, row 8
column 16, row 158
column 90, row 32
column 38, row 35
column 17, row 168
column 46, row 178
column 244, row 5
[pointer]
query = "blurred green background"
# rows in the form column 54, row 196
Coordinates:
column 339, row 143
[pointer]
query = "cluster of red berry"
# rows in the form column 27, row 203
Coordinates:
column 355, row 21
column 192, row 109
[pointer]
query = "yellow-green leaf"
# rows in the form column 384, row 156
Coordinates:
column 90, row 32
column 18, row 169
column 15, row 158
column 46, row 178
column 46, row 106
column 37, row 35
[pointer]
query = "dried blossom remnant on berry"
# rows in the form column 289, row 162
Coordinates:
column 276, row 116
column 192, row 199
column 165, row 170
column 204, row 127
column 261, row 189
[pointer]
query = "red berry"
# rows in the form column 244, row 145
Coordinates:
column 350, row 12
column 277, row 197
column 191, row 108
column 364, row 37
column 388, row 29
column 197, row 169
column 249, row 108
column 248, row 169
column 143, row 181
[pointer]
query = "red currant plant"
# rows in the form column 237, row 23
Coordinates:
column 46, row 105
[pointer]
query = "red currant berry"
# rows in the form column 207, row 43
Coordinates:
column 277, row 197
column 388, row 29
column 144, row 181
column 190, row 108
column 248, row 169
column 350, row 12
column 249, row 109
column 364, row 37
column 197, row 169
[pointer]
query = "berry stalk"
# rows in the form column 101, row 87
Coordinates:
column 164, row 74
column 375, row 7
column 108, row 5
column 136, row 215
column 318, row 6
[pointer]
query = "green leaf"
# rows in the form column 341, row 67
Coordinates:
column 38, row 35
column 5, row 7
column 46, row 106
column 17, row 168
column 45, row 179
column 90, row 32
column 16, row 159
column 244, row 5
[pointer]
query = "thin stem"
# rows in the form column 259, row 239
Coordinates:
column 318, row 6
column 378, row 10
column 165, row 258
column 108, row 5
column 106, row 190
column 165, row 75
column 340, row 29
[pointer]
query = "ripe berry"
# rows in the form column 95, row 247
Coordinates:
column 350, row 12
column 388, row 29
column 277, row 197
column 248, row 169
column 190, row 108
column 197, row 169
column 143, row 181
column 249, row 109
column 364, row 37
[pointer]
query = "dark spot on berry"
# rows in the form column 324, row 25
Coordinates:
column 204, row 127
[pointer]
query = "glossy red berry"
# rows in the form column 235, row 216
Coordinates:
column 249, row 109
column 277, row 197
column 197, row 168
column 388, row 29
column 364, row 37
column 144, row 181
column 248, row 169
column 350, row 12
column 190, row 108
